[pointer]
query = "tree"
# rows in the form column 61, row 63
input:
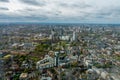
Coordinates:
column 39, row 48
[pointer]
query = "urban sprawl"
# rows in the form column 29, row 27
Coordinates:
column 59, row 51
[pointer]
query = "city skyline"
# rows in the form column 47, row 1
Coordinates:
column 56, row 11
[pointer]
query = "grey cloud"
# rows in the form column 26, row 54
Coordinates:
column 34, row 2
column 101, row 14
column 115, row 12
column 26, row 10
column 4, row 0
column 4, row 16
column 75, row 5
column 31, row 11
column 34, row 17
column 75, row 10
column 22, row 18
column 3, row 8
column 105, row 13
column 56, row 13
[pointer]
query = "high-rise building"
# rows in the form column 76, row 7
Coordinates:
column 56, row 58
column 74, row 37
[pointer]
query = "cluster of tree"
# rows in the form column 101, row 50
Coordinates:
column 42, row 48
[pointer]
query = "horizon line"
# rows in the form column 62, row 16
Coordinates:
column 56, row 23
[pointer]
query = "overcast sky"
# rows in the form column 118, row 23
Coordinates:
column 79, row 11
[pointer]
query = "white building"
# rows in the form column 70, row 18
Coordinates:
column 64, row 38
column 74, row 36
column 47, row 62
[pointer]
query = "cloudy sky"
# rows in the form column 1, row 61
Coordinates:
column 79, row 11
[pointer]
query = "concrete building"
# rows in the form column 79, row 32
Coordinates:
column 74, row 36
column 64, row 38
column 47, row 62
